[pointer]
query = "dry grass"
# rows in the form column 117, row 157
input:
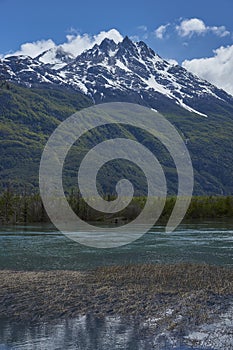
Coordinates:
column 197, row 292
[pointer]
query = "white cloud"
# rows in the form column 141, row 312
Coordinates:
column 142, row 33
column 189, row 27
column 217, row 69
column 34, row 49
column 172, row 61
column 134, row 38
column 219, row 31
column 75, row 44
column 160, row 31
column 143, row 28
column 111, row 34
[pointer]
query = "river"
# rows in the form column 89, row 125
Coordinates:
column 41, row 247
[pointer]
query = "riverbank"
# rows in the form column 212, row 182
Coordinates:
column 195, row 293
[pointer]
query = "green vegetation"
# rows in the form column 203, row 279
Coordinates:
column 29, row 116
column 25, row 208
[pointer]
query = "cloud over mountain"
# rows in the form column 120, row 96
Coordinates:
column 217, row 69
column 75, row 44
column 34, row 49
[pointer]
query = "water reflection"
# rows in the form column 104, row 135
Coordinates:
column 87, row 333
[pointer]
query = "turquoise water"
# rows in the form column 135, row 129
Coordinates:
column 42, row 247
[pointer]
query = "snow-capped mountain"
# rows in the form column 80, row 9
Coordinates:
column 55, row 58
column 126, row 71
column 27, row 71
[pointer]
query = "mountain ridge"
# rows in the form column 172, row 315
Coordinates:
column 108, row 71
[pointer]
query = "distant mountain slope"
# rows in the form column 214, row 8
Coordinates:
column 27, row 118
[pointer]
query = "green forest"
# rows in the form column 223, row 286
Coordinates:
column 24, row 209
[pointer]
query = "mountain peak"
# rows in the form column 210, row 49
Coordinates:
column 108, row 44
column 146, row 49
column 127, row 43
column 123, row 71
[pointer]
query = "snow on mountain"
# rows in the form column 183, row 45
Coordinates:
column 27, row 71
column 129, row 66
column 55, row 57
column 116, row 71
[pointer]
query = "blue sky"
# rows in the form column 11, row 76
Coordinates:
column 25, row 21
column 29, row 21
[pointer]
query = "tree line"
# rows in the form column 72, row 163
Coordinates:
column 27, row 208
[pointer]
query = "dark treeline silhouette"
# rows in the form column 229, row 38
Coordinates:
column 28, row 208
